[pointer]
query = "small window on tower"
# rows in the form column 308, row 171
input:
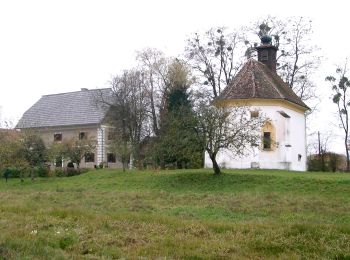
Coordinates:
column 264, row 55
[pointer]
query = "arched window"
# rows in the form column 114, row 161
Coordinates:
column 268, row 136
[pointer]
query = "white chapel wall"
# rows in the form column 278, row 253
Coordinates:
column 290, row 144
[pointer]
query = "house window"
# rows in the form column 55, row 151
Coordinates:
column 58, row 162
column 264, row 55
column 267, row 141
column 90, row 157
column 111, row 158
column 82, row 135
column 111, row 134
column 254, row 114
column 57, row 137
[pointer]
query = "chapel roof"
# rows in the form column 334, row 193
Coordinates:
column 256, row 81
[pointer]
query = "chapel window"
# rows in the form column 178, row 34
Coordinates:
column 254, row 114
column 267, row 141
column 299, row 157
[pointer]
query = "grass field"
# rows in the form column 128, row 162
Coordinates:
column 190, row 214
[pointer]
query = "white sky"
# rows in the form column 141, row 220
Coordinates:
column 58, row 46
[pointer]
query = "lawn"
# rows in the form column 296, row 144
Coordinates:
column 187, row 214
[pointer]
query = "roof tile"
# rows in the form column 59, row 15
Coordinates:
column 256, row 80
column 72, row 108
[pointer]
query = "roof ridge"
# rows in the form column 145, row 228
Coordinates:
column 253, row 77
column 75, row 91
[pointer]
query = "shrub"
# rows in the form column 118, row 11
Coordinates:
column 331, row 162
column 71, row 172
column 15, row 172
column 59, row 172
column 314, row 164
column 68, row 172
column 42, row 171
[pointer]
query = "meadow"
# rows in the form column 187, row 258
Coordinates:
column 179, row 214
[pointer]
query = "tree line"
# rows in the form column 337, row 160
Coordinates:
column 24, row 153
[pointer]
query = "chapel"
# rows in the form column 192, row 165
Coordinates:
column 258, row 86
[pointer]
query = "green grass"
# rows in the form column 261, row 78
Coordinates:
column 192, row 214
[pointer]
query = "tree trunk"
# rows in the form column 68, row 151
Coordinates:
column 131, row 164
column 124, row 164
column 32, row 174
column 154, row 115
column 347, row 153
column 216, row 167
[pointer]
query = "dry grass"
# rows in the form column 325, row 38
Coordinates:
column 177, row 215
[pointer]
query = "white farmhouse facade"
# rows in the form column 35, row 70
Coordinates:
column 73, row 115
column 283, row 135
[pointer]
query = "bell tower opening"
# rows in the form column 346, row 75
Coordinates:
column 267, row 53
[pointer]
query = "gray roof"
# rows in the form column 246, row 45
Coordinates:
column 65, row 109
column 256, row 80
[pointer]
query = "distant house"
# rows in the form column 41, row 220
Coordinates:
column 258, row 86
column 70, row 115
column 11, row 133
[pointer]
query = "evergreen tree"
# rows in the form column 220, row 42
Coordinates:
column 177, row 143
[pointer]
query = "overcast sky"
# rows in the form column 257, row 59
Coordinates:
column 51, row 47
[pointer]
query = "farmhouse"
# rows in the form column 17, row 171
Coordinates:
column 258, row 86
column 65, row 116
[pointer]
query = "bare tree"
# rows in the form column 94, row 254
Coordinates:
column 214, row 56
column 319, row 141
column 127, row 106
column 154, row 66
column 227, row 128
column 318, row 148
column 340, row 87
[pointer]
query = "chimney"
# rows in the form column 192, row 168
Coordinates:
column 267, row 53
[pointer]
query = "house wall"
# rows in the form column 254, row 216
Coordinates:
column 289, row 148
column 97, row 132
column 103, row 144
